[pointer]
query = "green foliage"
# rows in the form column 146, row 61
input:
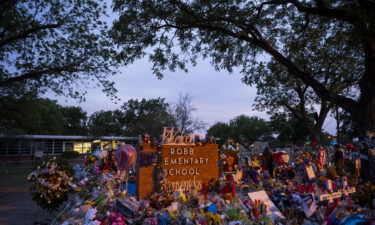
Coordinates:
column 74, row 120
column 31, row 115
column 288, row 129
column 106, row 123
column 245, row 129
column 146, row 116
column 242, row 129
column 59, row 46
column 69, row 155
column 325, row 45
column 134, row 118
column 220, row 130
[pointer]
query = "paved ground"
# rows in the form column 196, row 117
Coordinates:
column 16, row 204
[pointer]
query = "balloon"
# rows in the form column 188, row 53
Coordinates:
column 126, row 156
column 333, row 143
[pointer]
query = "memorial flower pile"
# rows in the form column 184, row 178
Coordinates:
column 305, row 188
column 51, row 183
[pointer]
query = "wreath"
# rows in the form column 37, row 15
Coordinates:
column 51, row 183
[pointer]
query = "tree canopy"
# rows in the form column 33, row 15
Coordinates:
column 237, row 33
column 30, row 115
column 58, row 46
column 74, row 120
column 146, row 116
column 242, row 129
column 106, row 123
column 220, row 130
column 288, row 129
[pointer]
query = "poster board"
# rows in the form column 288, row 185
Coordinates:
column 272, row 210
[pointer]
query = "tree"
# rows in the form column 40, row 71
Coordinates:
column 61, row 46
column 107, row 123
column 242, row 129
column 289, row 129
column 279, row 95
column 245, row 129
column 146, row 116
column 235, row 33
column 220, row 130
column 278, row 92
column 74, row 120
column 182, row 115
column 29, row 115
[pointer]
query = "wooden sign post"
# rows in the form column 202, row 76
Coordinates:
column 184, row 167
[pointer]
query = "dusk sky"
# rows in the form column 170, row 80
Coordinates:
column 218, row 96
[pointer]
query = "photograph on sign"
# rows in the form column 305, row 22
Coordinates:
column 230, row 161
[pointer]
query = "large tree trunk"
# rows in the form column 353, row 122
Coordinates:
column 364, row 116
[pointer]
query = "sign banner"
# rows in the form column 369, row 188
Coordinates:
column 337, row 194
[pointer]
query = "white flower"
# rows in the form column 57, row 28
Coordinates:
column 90, row 214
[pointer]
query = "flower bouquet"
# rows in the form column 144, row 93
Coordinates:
column 51, row 183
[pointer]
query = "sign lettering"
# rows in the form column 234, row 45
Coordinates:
column 187, row 166
column 175, row 136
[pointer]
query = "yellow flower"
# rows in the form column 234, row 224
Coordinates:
column 88, row 202
column 183, row 197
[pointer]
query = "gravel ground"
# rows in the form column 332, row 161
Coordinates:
column 16, row 204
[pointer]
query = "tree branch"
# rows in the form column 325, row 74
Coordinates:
column 37, row 74
column 321, row 9
column 26, row 33
column 257, row 39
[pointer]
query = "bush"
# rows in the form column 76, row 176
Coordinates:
column 70, row 155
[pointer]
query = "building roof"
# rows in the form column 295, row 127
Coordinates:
column 68, row 137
